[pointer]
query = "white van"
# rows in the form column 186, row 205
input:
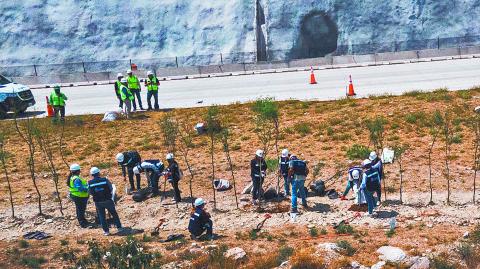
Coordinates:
column 14, row 97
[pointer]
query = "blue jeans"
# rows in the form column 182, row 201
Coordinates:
column 136, row 98
column 298, row 187
column 370, row 200
column 286, row 184
column 349, row 187
column 155, row 97
column 110, row 206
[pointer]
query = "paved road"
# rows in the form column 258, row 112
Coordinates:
column 372, row 80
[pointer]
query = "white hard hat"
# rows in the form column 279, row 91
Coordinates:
column 129, row 71
column 120, row 158
column 75, row 167
column 169, row 156
column 373, row 155
column 199, row 202
column 366, row 162
column 259, row 153
column 293, row 157
column 123, row 80
column 149, row 73
column 284, row 152
column 94, row 171
column 119, row 75
column 136, row 170
column 355, row 174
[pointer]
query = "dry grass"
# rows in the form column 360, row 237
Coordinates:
column 306, row 259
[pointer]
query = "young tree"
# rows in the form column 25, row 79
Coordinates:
column 169, row 129
column 435, row 126
column 3, row 160
column 267, row 126
column 448, row 134
column 45, row 139
column 376, row 129
column 474, row 123
column 225, row 137
column 213, row 128
column 186, row 144
column 399, row 151
column 26, row 130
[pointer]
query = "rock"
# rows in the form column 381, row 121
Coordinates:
column 310, row 226
column 378, row 265
column 466, row 235
column 329, row 247
column 409, row 261
column 236, row 253
column 196, row 251
column 391, row 254
column 429, row 225
column 247, row 189
column 49, row 221
column 421, row 263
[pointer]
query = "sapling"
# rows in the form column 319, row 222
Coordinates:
column 376, row 128
column 3, row 160
column 225, row 137
column 185, row 145
column 399, row 152
column 213, row 128
column 435, row 126
column 169, row 130
column 448, row 134
column 475, row 125
column 26, row 130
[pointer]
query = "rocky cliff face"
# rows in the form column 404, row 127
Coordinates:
column 51, row 31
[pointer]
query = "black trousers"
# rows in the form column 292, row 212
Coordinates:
column 110, row 207
column 207, row 227
column 378, row 190
column 59, row 110
column 153, row 183
column 130, row 179
column 80, row 208
column 176, row 190
column 257, row 187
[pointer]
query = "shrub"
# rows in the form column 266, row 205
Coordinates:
column 323, row 231
column 305, row 259
column 215, row 260
column 390, row 233
column 313, row 232
column 469, row 254
column 284, row 253
column 464, row 94
column 264, row 261
column 303, row 128
column 344, row 229
column 475, row 235
column 416, row 118
column 23, row 244
column 253, row 234
column 358, row 152
column 32, row 261
column 346, row 248
column 441, row 263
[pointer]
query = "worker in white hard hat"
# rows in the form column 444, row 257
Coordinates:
column 173, row 174
column 153, row 170
column 354, row 176
column 152, row 84
column 378, row 165
column 200, row 221
column 127, row 161
column 78, row 188
column 258, row 170
column 370, row 183
column 117, row 86
column 126, row 96
column 135, row 87
column 283, row 170
column 298, row 170
column 101, row 190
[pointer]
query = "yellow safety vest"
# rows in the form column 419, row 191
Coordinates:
column 76, row 192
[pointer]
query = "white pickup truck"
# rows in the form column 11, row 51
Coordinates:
column 14, row 97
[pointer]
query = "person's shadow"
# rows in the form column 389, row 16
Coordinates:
column 320, row 208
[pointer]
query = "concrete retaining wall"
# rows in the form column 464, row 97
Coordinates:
column 183, row 72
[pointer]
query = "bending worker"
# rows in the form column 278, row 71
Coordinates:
column 173, row 176
column 128, row 160
column 153, row 170
column 101, row 190
column 57, row 100
column 152, row 90
column 135, row 88
column 78, row 189
column 200, row 221
column 258, row 170
column 354, row 175
column 283, row 170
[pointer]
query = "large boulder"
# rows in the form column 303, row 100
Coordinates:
column 236, row 253
column 391, row 254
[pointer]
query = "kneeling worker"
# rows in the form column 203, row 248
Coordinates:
column 101, row 190
column 153, row 169
column 78, row 188
column 200, row 221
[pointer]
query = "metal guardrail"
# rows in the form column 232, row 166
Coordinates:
column 238, row 61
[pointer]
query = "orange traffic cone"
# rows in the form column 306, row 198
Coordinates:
column 312, row 77
column 49, row 108
column 351, row 91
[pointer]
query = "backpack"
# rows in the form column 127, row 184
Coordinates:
column 318, row 187
column 372, row 180
column 300, row 168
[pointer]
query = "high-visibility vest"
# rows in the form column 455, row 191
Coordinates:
column 133, row 82
column 152, row 84
column 57, row 99
column 76, row 192
column 119, row 86
column 124, row 96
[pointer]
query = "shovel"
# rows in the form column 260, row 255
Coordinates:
column 260, row 225
column 347, row 221
column 156, row 230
